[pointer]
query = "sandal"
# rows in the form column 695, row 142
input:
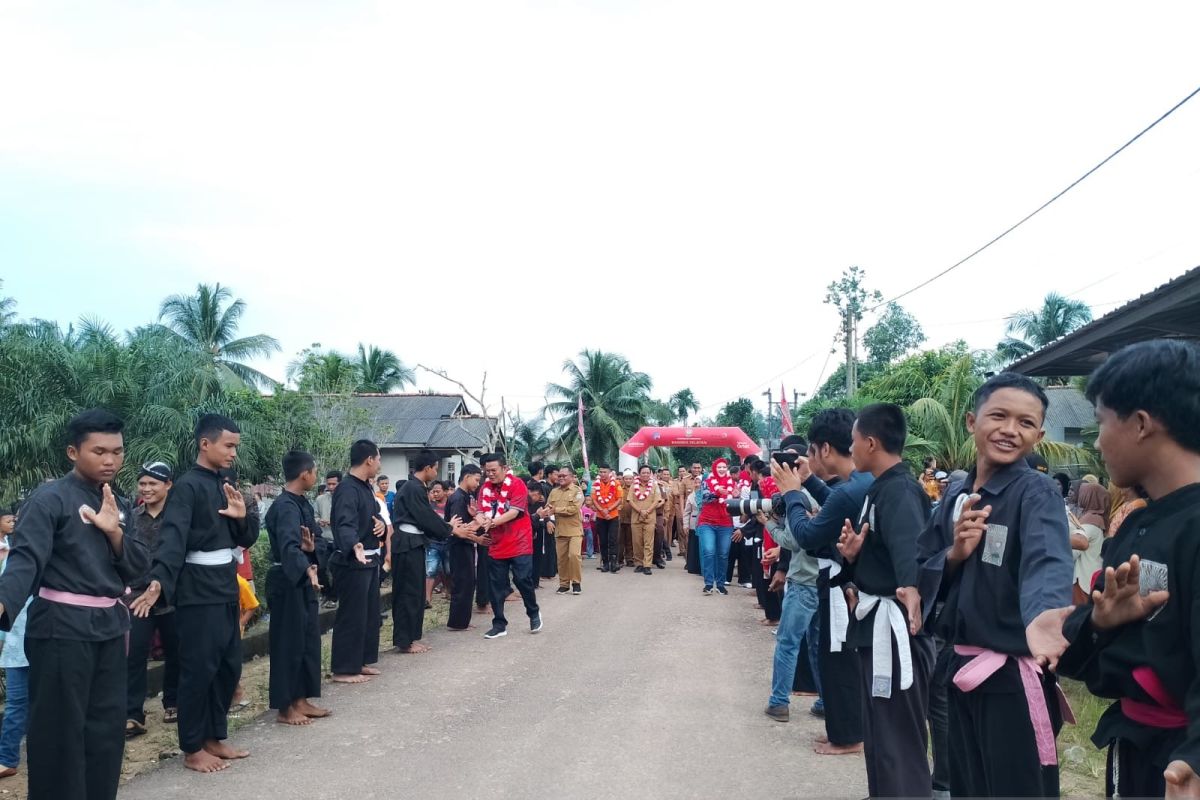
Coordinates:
column 134, row 728
column 170, row 716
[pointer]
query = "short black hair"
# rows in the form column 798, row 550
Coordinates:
column 296, row 463
column 488, row 458
column 1064, row 481
column 1160, row 377
column 94, row 420
column 469, row 469
column 361, row 450
column 379, row 478
column 886, row 424
column 534, row 485
column 535, row 467
column 833, row 427
column 762, row 468
column 603, row 465
column 552, row 468
column 748, row 460
column 928, row 462
column 211, row 426
column 333, row 473
column 423, row 459
column 645, row 466
column 794, row 441
column 1010, row 380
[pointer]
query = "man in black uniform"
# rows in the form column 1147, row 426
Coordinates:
column 292, row 586
column 997, row 552
column 881, row 563
column 70, row 543
column 357, row 531
column 461, row 506
column 414, row 522
column 1138, row 639
column 195, row 569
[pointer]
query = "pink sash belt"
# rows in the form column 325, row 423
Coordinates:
column 1164, row 713
column 986, row 663
column 72, row 599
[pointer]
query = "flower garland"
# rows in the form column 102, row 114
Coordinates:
column 493, row 503
column 605, row 493
column 643, row 490
column 722, row 489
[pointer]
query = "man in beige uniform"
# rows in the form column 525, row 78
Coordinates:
column 565, row 501
column 644, row 501
column 626, row 524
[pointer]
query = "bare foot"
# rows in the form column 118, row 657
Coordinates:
column 484, row 610
column 370, row 671
column 768, row 622
column 822, row 739
column 829, row 749
column 292, row 716
column 222, row 750
column 350, row 678
column 414, row 648
column 468, row 628
column 309, row 710
column 201, row 761
column 805, row 694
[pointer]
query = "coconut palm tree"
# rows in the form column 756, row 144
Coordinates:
column 318, row 372
column 208, row 321
column 682, row 403
column 381, row 371
column 527, row 441
column 1036, row 328
column 8, row 308
column 615, row 400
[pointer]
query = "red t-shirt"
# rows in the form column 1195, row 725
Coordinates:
column 514, row 538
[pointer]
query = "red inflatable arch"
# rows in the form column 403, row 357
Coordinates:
column 726, row 438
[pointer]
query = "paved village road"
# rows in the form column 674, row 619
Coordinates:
column 641, row 687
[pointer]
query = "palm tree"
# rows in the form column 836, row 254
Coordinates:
column 1034, row 329
column 615, row 400
column 8, row 308
column 381, row 371
column 317, row 372
column 205, row 322
column 683, row 403
column 527, row 441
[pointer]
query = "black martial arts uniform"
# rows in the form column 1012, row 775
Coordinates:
column 205, row 596
column 545, row 556
column 895, row 738
column 1022, row 567
column 141, row 630
column 295, row 634
column 461, row 553
column 76, row 653
column 414, row 523
column 356, row 625
column 1149, row 667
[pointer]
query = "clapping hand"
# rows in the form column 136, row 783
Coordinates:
column 235, row 503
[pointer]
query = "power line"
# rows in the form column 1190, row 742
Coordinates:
column 1043, row 206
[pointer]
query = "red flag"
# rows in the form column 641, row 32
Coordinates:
column 583, row 442
column 787, row 415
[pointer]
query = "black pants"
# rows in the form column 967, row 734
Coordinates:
column 324, row 550
column 295, row 640
column 462, row 566
column 939, row 715
column 993, row 752
column 521, row 568
column 693, row 554
column 141, row 632
column 75, row 738
column 742, row 555
column 483, row 577
column 1138, row 772
column 408, row 596
column 356, row 625
column 210, row 666
column 895, row 739
column 841, row 683
column 608, row 534
column 772, row 602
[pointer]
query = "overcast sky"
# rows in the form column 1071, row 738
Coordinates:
column 497, row 185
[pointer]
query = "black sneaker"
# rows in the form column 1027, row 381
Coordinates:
column 722, row 590
column 535, row 624
column 563, row 590
column 660, row 565
column 576, row 588
column 647, row 571
column 708, row 590
column 495, row 633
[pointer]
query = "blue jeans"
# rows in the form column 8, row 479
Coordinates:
column 799, row 607
column 16, row 715
column 714, row 552
column 436, row 561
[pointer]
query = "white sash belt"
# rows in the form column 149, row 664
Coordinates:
column 374, row 552
column 890, row 623
column 404, row 526
column 839, row 612
column 209, row 558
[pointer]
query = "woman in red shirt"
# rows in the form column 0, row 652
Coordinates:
column 715, row 526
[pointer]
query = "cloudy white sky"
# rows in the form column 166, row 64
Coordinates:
column 496, row 185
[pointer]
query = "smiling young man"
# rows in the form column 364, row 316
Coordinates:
column 70, row 545
column 503, row 516
column 1138, row 640
column 196, row 571
column 998, row 553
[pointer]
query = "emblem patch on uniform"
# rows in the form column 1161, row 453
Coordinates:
column 83, row 513
column 993, row 545
column 1153, row 577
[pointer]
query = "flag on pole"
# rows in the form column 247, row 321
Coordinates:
column 787, row 415
column 583, row 442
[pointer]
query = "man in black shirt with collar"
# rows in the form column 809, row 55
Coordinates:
column 195, row 569
column 461, row 552
column 70, row 544
column 881, row 562
column 997, row 552
column 358, row 529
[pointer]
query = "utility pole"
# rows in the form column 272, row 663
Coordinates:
column 770, row 434
column 851, row 360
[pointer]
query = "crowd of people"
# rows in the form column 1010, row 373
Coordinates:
column 931, row 610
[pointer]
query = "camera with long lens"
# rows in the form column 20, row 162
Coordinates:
column 748, row 507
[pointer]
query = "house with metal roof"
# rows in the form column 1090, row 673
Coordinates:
column 404, row 424
column 1068, row 415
